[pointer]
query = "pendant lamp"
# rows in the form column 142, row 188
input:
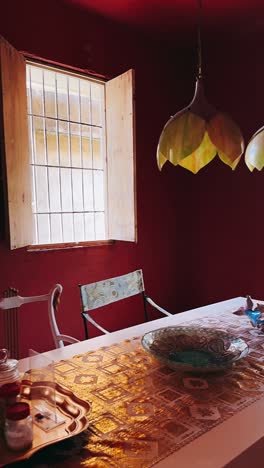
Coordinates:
column 254, row 156
column 197, row 133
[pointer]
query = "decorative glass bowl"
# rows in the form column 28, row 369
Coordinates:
column 195, row 349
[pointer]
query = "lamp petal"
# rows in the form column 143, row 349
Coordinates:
column 202, row 156
column 251, row 168
column 181, row 136
column 254, row 156
column 161, row 160
column 227, row 161
column 227, row 137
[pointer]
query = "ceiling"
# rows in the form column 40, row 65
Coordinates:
column 242, row 17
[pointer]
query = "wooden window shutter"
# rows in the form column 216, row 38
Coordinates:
column 15, row 146
column 120, row 153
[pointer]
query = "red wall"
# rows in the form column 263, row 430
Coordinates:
column 199, row 237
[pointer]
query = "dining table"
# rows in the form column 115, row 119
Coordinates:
column 146, row 414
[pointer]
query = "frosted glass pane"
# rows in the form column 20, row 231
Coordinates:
column 85, row 101
column 31, row 150
column 34, row 207
column 67, row 227
column 50, row 93
column 77, row 189
column 88, row 195
column 43, row 229
column 97, row 91
column 41, row 189
column 62, row 96
column 35, row 229
column 64, row 144
column 97, row 97
column 86, row 146
column 99, row 226
column 89, row 226
column 39, row 140
column 78, row 227
column 52, row 143
column 98, row 162
column 56, row 228
column 96, row 113
column 37, row 90
column 66, row 190
column 75, row 145
column 98, row 190
column 54, row 189
column 74, row 101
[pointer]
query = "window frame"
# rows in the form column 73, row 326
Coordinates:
column 9, row 57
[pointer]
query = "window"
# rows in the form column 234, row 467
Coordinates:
column 67, row 151
column 68, row 147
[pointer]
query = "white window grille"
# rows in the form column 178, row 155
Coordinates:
column 67, row 145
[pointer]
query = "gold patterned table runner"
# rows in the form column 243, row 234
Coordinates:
column 142, row 411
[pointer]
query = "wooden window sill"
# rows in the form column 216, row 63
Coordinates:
column 69, row 245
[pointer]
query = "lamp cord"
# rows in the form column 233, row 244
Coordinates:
column 199, row 41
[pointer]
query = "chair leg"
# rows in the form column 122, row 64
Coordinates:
column 85, row 327
column 10, row 326
column 145, row 306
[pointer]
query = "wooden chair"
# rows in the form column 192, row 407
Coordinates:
column 10, row 304
column 104, row 292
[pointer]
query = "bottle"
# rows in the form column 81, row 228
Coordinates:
column 18, row 427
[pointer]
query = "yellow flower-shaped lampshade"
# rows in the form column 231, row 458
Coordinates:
column 196, row 134
column 254, row 156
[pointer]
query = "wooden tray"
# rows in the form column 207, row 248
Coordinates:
column 74, row 411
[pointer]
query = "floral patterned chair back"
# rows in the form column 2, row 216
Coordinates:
column 110, row 290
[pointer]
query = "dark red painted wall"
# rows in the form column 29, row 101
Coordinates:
column 199, row 237
column 228, row 214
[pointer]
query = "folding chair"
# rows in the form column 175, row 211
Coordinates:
column 104, row 292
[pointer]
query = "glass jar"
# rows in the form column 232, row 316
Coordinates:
column 18, row 427
column 8, row 368
column 9, row 383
